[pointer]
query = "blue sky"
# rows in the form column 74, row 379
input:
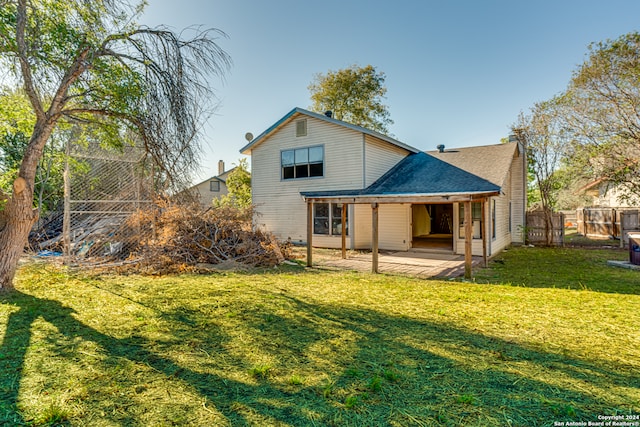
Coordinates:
column 457, row 72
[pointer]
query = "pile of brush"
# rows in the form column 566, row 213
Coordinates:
column 182, row 237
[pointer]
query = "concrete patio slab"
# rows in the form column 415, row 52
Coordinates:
column 416, row 264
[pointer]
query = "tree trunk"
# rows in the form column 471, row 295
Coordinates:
column 19, row 217
column 19, row 214
column 548, row 226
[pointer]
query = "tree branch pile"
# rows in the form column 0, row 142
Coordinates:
column 183, row 237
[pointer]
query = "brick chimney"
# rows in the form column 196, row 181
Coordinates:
column 220, row 167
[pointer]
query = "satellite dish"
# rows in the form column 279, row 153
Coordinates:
column 248, row 136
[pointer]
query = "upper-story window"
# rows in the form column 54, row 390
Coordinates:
column 305, row 162
column 214, row 186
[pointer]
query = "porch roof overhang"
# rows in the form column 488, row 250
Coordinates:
column 354, row 198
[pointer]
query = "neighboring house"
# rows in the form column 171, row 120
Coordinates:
column 212, row 188
column 307, row 166
column 605, row 194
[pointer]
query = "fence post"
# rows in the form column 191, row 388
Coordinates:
column 66, row 216
column 622, row 228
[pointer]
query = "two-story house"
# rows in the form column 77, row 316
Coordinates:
column 211, row 188
column 307, row 166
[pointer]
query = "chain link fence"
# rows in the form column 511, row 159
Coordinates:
column 103, row 188
column 112, row 219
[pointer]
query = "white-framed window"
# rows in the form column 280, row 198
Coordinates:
column 307, row 162
column 214, row 186
column 327, row 219
column 476, row 219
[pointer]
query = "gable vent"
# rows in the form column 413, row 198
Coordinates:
column 301, row 127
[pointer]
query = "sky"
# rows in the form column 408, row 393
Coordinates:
column 457, row 72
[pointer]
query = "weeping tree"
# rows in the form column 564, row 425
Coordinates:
column 87, row 63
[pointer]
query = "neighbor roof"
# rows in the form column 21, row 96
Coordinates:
column 419, row 174
column 222, row 178
column 291, row 115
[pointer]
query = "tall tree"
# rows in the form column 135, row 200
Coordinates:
column 604, row 113
column 239, row 186
column 354, row 95
column 545, row 141
column 87, row 62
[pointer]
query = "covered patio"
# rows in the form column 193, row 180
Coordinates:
column 419, row 178
column 424, row 265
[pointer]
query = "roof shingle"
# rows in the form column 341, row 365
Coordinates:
column 419, row 174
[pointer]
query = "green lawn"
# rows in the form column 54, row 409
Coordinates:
column 557, row 341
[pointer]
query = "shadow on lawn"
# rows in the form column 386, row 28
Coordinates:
column 396, row 370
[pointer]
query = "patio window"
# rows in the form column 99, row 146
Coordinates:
column 327, row 219
column 307, row 162
column 476, row 220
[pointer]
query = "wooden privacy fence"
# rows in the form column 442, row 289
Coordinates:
column 607, row 222
column 570, row 218
column 536, row 230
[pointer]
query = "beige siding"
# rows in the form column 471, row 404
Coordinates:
column 280, row 208
column 379, row 157
column 362, row 226
column 394, row 227
column 205, row 195
column 607, row 195
column 503, row 237
column 458, row 238
column 518, row 192
column 514, row 193
column 502, row 233
column 394, row 223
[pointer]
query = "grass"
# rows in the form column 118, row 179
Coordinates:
column 572, row 238
column 564, row 268
column 550, row 335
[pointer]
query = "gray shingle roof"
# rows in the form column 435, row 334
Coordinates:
column 419, row 174
column 491, row 162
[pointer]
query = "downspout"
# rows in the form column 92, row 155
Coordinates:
column 524, row 194
column 364, row 182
